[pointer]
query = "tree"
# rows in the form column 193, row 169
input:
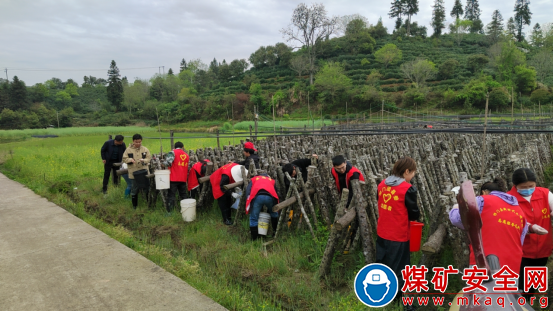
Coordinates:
column 411, row 7
column 525, row 79
column 504, row 57
column 438, row 17
column 283, row 54
column 522, row 17
column 536, row 37
column 115, row 87
column 343, row 22
column 447, row 69
column 475, row 62
column 331, row 79
column 511, row 28
column 309, row 26
column 419, row 71
column 299, row 64
column 543, row 63
column 378, row 31
column 71, row 89
column 459, row 29
column 472, row 13
column 388, row 54
column 457, row 10
column 358, row 38
column 18, row 94
column 224, row 71
column 169, row 73
column 183, row 66
column 396, row 10
column 237, row 67
column 495, row 28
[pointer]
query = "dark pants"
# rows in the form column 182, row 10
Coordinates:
column 225, row 202
column 175, row 187
column 110, row 169
column 529, row 262
column 396, row 256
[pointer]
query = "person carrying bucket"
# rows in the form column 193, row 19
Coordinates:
column 197, row 171
column 343, row 172
column 177, row 161
column 228, row 174
column 536, row 203
column 261, row 192
column 397, row 205
column 137, row 158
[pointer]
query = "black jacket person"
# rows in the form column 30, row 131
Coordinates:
column 249, row 153
column 112, row 152
column 343, row 172
column 292, row 169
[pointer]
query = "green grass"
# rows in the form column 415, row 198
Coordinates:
column 73, row 131
column 219, row 261
column 268, row 125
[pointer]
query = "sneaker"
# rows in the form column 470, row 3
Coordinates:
column 228, row 222
column 168, row 213
column 104, row 192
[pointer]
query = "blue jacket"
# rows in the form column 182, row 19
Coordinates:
column 108, row 148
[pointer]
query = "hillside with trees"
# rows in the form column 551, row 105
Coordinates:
column 341, row 60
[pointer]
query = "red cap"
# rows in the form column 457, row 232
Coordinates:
column 249, row 145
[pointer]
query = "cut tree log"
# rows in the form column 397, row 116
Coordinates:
column 364, row 226
column 434, row 242
column 328, row 254
column 290, row 201
column 233, row 185
column 346, row 219
column 299, row 203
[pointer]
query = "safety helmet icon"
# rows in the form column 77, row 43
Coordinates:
column 376, row 285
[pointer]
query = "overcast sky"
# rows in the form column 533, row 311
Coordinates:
column 71, row 39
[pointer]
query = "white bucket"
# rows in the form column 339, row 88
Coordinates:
column 188, row 209
column 263, row 223
column 162, row 179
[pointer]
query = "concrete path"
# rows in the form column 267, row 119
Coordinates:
column 52, row 260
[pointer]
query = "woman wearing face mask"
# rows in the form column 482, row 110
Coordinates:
column 536, row 202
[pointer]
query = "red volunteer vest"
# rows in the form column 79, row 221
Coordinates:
column 537, row 211
column 193, row 177
column 393, row 220
column 502, row 226
column 215, row 179
column 261, row 183
column 179, row 167
column 348, row 177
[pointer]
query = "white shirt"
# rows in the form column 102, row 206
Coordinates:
column 549, row 199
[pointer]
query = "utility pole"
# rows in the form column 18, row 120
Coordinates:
column 6, row 70
column 163, row 69
column 382, row 116
column 484, row 139
column 58, row 116
column 347, row 117
column 512, row 105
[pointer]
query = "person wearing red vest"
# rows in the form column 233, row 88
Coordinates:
column 177, row 160
column 397, row 205
column 343, row 172
column 261, row 192
column 227, row 174
column 536, row 203
column 197, row 171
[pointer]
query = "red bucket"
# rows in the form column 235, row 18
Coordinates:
column 416, row 236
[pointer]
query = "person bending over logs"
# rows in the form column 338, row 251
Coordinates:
column 197, row 171
column 261, row 192
column 397, row 205
column 112, row 152
column 249, row 153
column 536, row 203
column 137, row 157
column 292, row 169
column 228, row 174
column 343, row 172
column 177, row 161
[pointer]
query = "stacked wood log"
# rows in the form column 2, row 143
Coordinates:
column 444, row 160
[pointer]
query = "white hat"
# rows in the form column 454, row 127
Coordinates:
column 236, row 172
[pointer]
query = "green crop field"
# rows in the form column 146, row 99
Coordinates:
column 219, row 261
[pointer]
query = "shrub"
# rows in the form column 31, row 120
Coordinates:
column 499, row 98
column 541, row 95
column 447, row 69
column 475, row 62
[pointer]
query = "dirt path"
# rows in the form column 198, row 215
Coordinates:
column 52, row 260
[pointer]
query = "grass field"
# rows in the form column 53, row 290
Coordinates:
column 219, row 261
